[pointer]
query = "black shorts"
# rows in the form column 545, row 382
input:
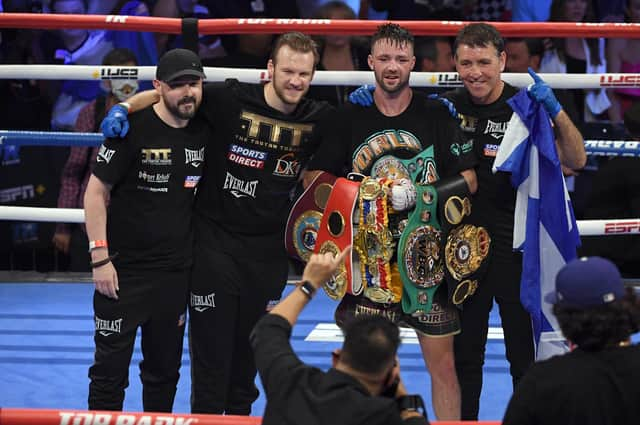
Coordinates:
column 442, row 320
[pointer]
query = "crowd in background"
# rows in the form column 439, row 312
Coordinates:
column 36, row 176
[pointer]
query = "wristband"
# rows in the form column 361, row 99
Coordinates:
column 411, row 402
column 100, row 243
column 308, row 289
column 126, row 105
column 104, row 261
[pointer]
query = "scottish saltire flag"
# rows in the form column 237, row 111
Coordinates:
column 545, row 228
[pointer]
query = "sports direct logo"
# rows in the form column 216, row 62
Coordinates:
column 88, row 418
column 620, row 80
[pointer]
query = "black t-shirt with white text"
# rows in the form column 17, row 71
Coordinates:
column 494, row 202
column 253, row 163
column 153, row 172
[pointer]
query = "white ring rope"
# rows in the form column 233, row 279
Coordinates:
column 331, row 78
column 71, row 215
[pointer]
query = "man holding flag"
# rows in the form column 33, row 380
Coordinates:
column 549, row 237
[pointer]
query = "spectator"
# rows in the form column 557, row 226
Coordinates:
column 573, row 55
column 597, row 382
column 623, row 56
column 71, row 239
column 338, row 53
column 364, row 385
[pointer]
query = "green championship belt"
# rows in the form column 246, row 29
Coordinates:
column 419, row 169
column 419, row 254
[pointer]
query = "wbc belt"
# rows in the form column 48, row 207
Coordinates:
column 304, row 219
column 419, row 254
column 336, row 233
column 373, row 242
column 419, row 169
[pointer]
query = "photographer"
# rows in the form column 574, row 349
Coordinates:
column 364, row 385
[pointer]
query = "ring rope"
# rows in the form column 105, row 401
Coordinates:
column 310, row 26
column 332, row 78
column 76, row 215
column 52, row 138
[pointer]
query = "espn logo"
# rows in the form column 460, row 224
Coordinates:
column 632, row 226
column 620, row 80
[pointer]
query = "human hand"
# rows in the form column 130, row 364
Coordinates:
column 106, row 280
column 115, row 123
column 321, row 267
column 363, row 95
column 403, row 194
column 542, row 93
column 61, row 241
column 447, row 103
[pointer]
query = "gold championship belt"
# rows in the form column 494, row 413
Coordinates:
column 304, row 219
column 336, row 233
column 374, row 243
column 467, row 246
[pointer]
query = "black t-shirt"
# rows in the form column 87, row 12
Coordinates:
column 355, row 137
column 253, row 163
column 154, row 172
column 579, row 388
column 495, row 200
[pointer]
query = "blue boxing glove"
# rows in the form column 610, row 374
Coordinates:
column 447, row 103
column 542, row 93
column 115, row 123
column 363, row 95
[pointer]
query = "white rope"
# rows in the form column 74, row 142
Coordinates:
column 333, row 78
column 70, row 215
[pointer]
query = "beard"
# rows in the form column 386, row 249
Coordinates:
column 183, row 113
column 391, row 89
column 282, row 94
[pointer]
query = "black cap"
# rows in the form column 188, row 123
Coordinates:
column 178, row 63
column 632, row 119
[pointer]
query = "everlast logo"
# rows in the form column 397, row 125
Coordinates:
column 496, row 129
column 104, row 154
column 201, row 303
column 273, row 133
column 156, row 156
column 113, row 73
column 194, row 157
column 86, row 418
column 108, row 327
column 240, row 188
column 381, row 143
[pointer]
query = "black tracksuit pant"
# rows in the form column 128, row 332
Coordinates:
column 156, row 302
column 227, row 297
column 502, row 283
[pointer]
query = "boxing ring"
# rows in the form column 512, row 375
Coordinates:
column 604, row 226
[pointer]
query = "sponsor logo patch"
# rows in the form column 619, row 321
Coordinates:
column 195, row 157
column 240, row 188
column 104, row 154
column 490, row 150
column 246, row 157
column 191, row 181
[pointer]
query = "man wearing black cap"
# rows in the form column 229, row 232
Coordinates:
column 138, row 208
column 262, row 139
column 597, row 382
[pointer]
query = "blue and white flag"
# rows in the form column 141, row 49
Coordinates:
column 545, row 228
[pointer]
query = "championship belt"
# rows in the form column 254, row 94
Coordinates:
column 336, row 233
column 374, row 244
column 419, row 169
column 467, row 246
column 304, row 219
column 419, row 254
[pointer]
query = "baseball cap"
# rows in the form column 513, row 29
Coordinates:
column 179, row 63
column 587, row 282
column 632, row 119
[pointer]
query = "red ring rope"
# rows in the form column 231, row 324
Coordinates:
column 309, row 26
